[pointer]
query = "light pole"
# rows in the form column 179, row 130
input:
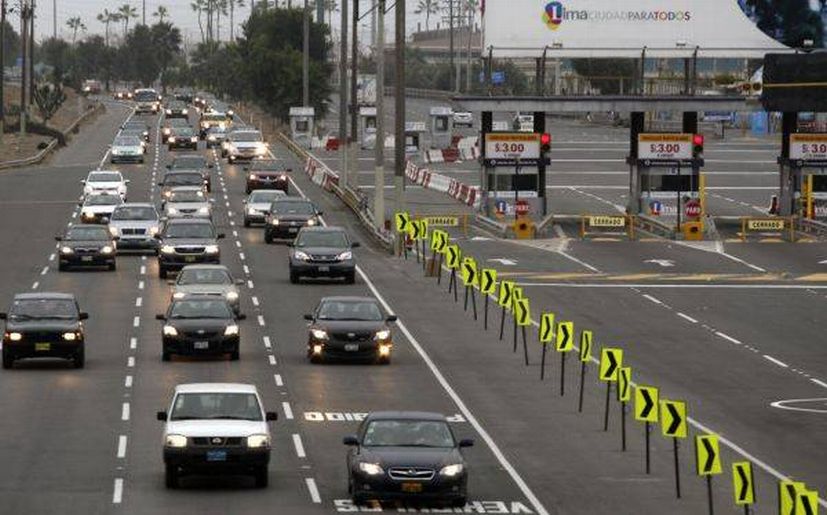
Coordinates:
column 306, row 58
column 354, row 96
column 379, row 177
column 399, row 148
column 343, row 103
column 2, row 67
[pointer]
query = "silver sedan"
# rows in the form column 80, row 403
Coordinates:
column 207, row 280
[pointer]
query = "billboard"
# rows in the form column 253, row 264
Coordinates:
column 608, row 28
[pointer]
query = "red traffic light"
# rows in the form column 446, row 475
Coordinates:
column 698, row 140
column 545, row 139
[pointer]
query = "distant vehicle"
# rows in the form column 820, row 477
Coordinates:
column 86, row 245
column 127, row 149
column 215, row 137
column 217, row 427
column 200, row 325
column 146, row 101
column 463, row 119
column 91, row 87
column 122, row 95
column 523, row 122
column 97, row 209
column 257, row 205
column 187, row 202
column 187, row 241
column 44, row 325
column 137, row 134
column 268, row 174
column 213, row 119
column 287, row 216
column 245, row 145
column 212, row 280
column 349, row 328
column 137, row 125
column 102, row 181
column 322, row 252
column 176, row 109
column 135, row 225
column 184, row 95
column 191, row 162
column 407, row 456
column 176, row 178
column 182, row 137
column 169, row 125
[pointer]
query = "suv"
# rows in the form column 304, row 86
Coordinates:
column 268, row 174
column 177, row 178
column 185, row 241
column 135, row 226
column 322, row 252
column 147, row 101
column 105, row 181
column 176, row 109
column 216, row 427
column 44, row 325
column 213, row 119
column 245, row 145
column 169, row 125
column 287, row 216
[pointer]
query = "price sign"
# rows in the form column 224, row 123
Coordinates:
column 666, row 147
column 808, row 147
column 509, row 147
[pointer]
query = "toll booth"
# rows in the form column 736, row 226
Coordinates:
column 512, row 167
column 413, row 136
column 302, row 125
column 441, row 127
column 367, row 127
column 804, row 177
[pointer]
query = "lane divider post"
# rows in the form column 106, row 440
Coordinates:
column 585, row 359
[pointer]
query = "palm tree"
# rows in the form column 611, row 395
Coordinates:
column 199, row 6
column 127, row 12
column 106, row 17
column 161, row 12
column 75, row 24
column 428, row 7
column 233, row 5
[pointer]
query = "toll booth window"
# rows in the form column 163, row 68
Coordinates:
column 411, row 141
column 668, row 183
column 526, row 182
column 302, row 126
column 819, row 182
column 441, row 124
column 370, row 122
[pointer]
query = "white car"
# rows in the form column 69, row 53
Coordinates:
column 127, row 149
column 245, row 145
column 257, row 205
column 102, row 181
column 97, row 209
column 463, row 119
column 187, row 202
column 216, row 427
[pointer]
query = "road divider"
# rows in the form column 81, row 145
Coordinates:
column 607, row 225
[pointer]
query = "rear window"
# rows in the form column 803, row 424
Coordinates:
column 104, row 177
column 134, row 213
column 183, row 179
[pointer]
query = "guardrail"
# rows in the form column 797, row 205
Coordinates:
column 783, row 226
column 431, row 94
column 815, row 227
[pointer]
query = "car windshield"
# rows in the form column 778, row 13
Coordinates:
column 214, row 117
column 103, row 200
column 133, row 133
column 265, row 197
column 216, row 406
column 177, row 122
column 127, row 141
column 104, row 177
column 29, row 309
column 408, row 433
column 146, row 96
column 87, row 233
column 135, row 125
column 292, row 208
column 334, row 239
column 189, row 162
column 246, row 136
column 200, row 309
column 217, row 130
column 187, row 196
column 185, row 132
column 203, row 276
column 366, row 311
column 267, row 165
column 196, row 231
column 134, row 213
column 183, row 179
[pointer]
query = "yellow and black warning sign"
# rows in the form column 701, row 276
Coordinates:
column 546, row 328
column 565, row 337
column 506, row 296
column 646, row 404
column 585, row 346
column 442, row 221
column 743, row 483
column 440, row 240
column 418, row 229
column 788, row 494
column 607, row 221
column 402, row 222
column 807, row 502
column 488, row 281
column 673, row 418
column 611, row 359
column 707, row 455
column 522, row 312
column 453, row 257
column 624, row 384
column 469, row 272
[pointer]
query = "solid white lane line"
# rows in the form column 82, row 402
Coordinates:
column 136, row 322
column 278, row 380
column 687, row 318
column 125, row 411
column 122, row 446
column 728, row 338
column 127, row 383
column 267, row 342
column 261, row 321
column 820, row 383
column 314, row 490
column 288, row 411
column 138, row 302
column 297, row 443
column 272, row 359
column 777, row 362
column 117, row 492
column 653, row 299
column 133, row 343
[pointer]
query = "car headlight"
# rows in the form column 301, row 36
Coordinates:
column 172, row 211
column 230, row 113
column 170, row 331
column 169, row 111
column 171, row 139
column 87, row 214
column 301, row 255
column 70, row 337
column 371, row 469
column 251, row 211
column 167, row 131
column 184, row 111
column 15, row 337
column 115, row 151
column 231, row 330
column 204, row 210
column 253, row 177
column 176, row 441
column 311, row 222
column 274, row 221
column 153, row 231
column 113, row 230
column 232, row 296
column 384, row 334
column 319, row 334
column 345, row 256
column 211, row 249
column 258, row 441
column 168, row 249
column 179, row 295
column 194, row 139
column 452, row 470
column 106, row 249
column 66, row 250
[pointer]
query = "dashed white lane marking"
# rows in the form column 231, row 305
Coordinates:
column 45, row 270
column 728, row 338
column 272, row 359
column 122, row 446
column 277, row 378
column 261, row 321
column 133, row 343
column 652, row 299
column 314, row 490
column 127, row 383
column 136, row 322
column 130, row 362
column 687, row 318
column 250, row 284
column 288, row 411
column 254, row 300
column 117, row 492
column 237, row 243
column 138, row 302
column 125, row 411
column 52, row 257
column 140, row 285
column 241, row 256
column 777, row 362
column 297, row 443
column 35, row 285
column 143, row 270
column 267, row 342
column 235, row 234
column 820, row 383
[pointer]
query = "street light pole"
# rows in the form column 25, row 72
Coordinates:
column 343, row 103
column 399, row 148
column 379, row 177
column 354, row 92
column 306, row 58
column 2, row 68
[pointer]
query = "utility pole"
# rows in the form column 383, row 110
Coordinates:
column 379, row 177
column 354, row 96
column 470, row 10
column 31, row 52
column 143, row 11
column 399, row 148
column 2, row 68
column 320, row 14
column 343, row 103
column 54, row 19
column 24, row 43
column 454, row 75
column 306, row 58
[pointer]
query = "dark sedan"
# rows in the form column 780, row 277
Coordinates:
column 44, row 325
column 287, row 216
column 409, row 456
column 182, row 137
column 198, row 326
column 176, row 178
column 322, row 252
column 191, row 162
column 268, row 174
column 349, row 328
column 187, row 241
column 171, row 124
column 86, row 245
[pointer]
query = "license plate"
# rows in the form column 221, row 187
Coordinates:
column 41, row 347
column 352, row 347
column 190, row 259
column 412, row 488
column 294, row 229
column 324, row 269
column 86, row 259
column 216, row 455
column 201, row 345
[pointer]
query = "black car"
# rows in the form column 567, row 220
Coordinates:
column 349, row 328
column 176, row 109
column 322, row 252
column 86, row 245
column 44, row 325
column 137, row 125
column 186, row 241
column 408, row 456
column 182, row 137
column 177, row 178
column 287, row 216
column 268, row 174
column 193, row 162
column 200, row 325
column 184, row 96
column 171, row 124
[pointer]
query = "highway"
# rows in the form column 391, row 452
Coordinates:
column 731, row 329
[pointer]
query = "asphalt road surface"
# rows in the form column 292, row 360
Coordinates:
column 731, row 329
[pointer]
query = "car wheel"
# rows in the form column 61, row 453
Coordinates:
column 359, row 499
column 79, row 360
column 235, row 355
column 171, row 476
column 246, row 222
column 8, row 359
column 459, row 503
column 262, row 476
column 113, row 266
column 268, row 238
column 350, row 278
column 162, row 272
column 165, row 354
column 294, row 277
column 61, row 267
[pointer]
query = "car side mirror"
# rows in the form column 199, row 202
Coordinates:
column 127, row 181
column 162, row 416
column 308, row 317
column 350, row 440
column 244, row 201
column 210, row 165
column 392, row 319
column 160, row 316
column 355, row 245
column 83, row 181
column 83, row 316
column 241, row 316
column 319, row 213
column 271, row 416
column 466, row 443
column 219, row 236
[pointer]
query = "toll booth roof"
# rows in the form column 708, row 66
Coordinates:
column 441, row 111
column 607, row 103
column 302, row 111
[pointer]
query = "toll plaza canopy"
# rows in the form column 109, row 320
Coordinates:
column 615, row 29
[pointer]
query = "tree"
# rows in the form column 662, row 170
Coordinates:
column 198, row 6
column 166, row 42
column 57, row 54
column 428, row 7
column 239, row 4
column 74, row 25
column 107, row 17
column 141, row 56
column 12, row 44
column 48, row 99
column 789, row 21
column 127, row 12
column 161, row 12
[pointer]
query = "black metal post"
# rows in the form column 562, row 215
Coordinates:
column 485, row 319
column 474, row 302
column 514, row 316
column 543, row 362
column 525, row 347
column 622, row 425
column 647, row 430
column 677, row 468
column 709, row 495
column 465, row 304
column 582, row 382
column 606, row 412
column 502, row 323
column 563, row 373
